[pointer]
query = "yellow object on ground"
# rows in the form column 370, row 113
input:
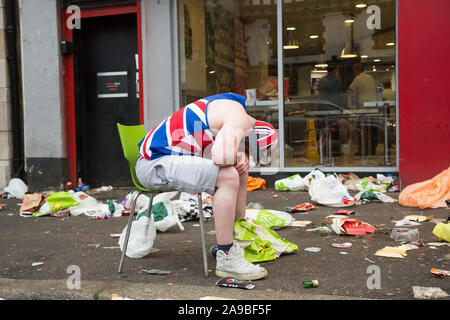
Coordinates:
column 427, row 194
column 442, row 231
column 310, row 148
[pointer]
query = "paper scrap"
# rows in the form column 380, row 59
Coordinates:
column 418, row 218
column 406, row 222
column 391, row 252
column 214, row 298
column 313, row 249
column 117, row 297
column 35, row 264
column 438, row 244
column 428, row 292
column 297, row 223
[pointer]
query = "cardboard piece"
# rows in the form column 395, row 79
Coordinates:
column 418, row 218
column 391, row 252
column 297, row 223
column 350, row 226
column 31, row 202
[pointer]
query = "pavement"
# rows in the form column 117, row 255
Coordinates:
column 63, row 245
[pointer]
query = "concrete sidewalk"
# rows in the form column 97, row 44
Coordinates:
column 79, row 241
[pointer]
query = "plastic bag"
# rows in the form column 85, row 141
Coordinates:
column 329, row 191
column 256, row 183
column 17, row 188
column 292, row 183
column 88, row 206
column 259, row 242
column 367, row 196
column 55, row 202
column 366, row 185
column 442, row 231
column 164, row 216
column 270, row 218
column 142, row 237
column 316, row 174
column 431, row 193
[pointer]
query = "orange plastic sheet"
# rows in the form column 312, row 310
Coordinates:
column 427, row 194
column 255, row 183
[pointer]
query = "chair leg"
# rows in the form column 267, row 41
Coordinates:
column 150, row 205
column 202, row 231
column 127, row 234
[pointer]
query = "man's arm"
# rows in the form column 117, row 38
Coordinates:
column 236, row 124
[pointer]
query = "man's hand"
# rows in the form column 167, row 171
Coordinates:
column 243, row 164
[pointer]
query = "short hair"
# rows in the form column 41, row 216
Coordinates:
column 331, row 68
column 387, row 83
column 358, row 67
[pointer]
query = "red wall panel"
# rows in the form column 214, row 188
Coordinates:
column 423, row 88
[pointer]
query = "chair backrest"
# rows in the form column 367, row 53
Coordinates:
column 130, row 136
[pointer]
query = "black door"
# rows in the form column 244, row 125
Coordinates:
column 106, row 93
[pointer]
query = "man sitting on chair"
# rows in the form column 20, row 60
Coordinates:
column 195, row 150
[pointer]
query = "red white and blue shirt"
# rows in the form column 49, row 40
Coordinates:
column 184, row 133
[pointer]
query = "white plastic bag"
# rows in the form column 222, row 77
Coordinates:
column 292, row 183
column 17, row 188
column 329, row 191
column 313, row 175
column 88, row 206
column 142, row 236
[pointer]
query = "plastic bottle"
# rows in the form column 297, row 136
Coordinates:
column 405, row 235
column 379, row 94
column 255, row 205
column 311, row 284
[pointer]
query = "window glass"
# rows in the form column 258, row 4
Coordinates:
column 231, row 46
column 339, row 72
column 339, row 59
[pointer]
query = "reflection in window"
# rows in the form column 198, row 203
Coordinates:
column 340, row 108
column 339, row 68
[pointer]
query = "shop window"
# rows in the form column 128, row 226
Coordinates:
column 338, row 73
column 340, row 109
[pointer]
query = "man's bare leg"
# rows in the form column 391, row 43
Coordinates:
column 241, row 201
column 224, row 204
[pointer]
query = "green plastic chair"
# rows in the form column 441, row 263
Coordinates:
column 130, row 136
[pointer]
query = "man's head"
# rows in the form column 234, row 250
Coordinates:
column 332, row 69
column 358, row 68
column 387, row 84
column 263, row 139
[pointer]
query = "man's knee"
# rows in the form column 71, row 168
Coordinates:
column 228, row 176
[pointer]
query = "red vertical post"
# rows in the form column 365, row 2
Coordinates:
column 423, row 89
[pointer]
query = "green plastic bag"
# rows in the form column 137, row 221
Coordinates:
column 60, row 201
column 55, row 202
column 262, row 243
column 442, row 231
column 270, row 218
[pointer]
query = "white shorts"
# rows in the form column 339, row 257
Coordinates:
column 183, row 173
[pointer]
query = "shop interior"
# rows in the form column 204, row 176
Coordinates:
column 339, row 73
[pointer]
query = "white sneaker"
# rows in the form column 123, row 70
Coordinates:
column 233, row 264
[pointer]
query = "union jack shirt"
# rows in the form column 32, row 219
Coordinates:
column 184, row 133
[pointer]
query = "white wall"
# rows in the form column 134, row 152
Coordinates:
column 43, row 110
column 5, row 114
column 158, row 54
